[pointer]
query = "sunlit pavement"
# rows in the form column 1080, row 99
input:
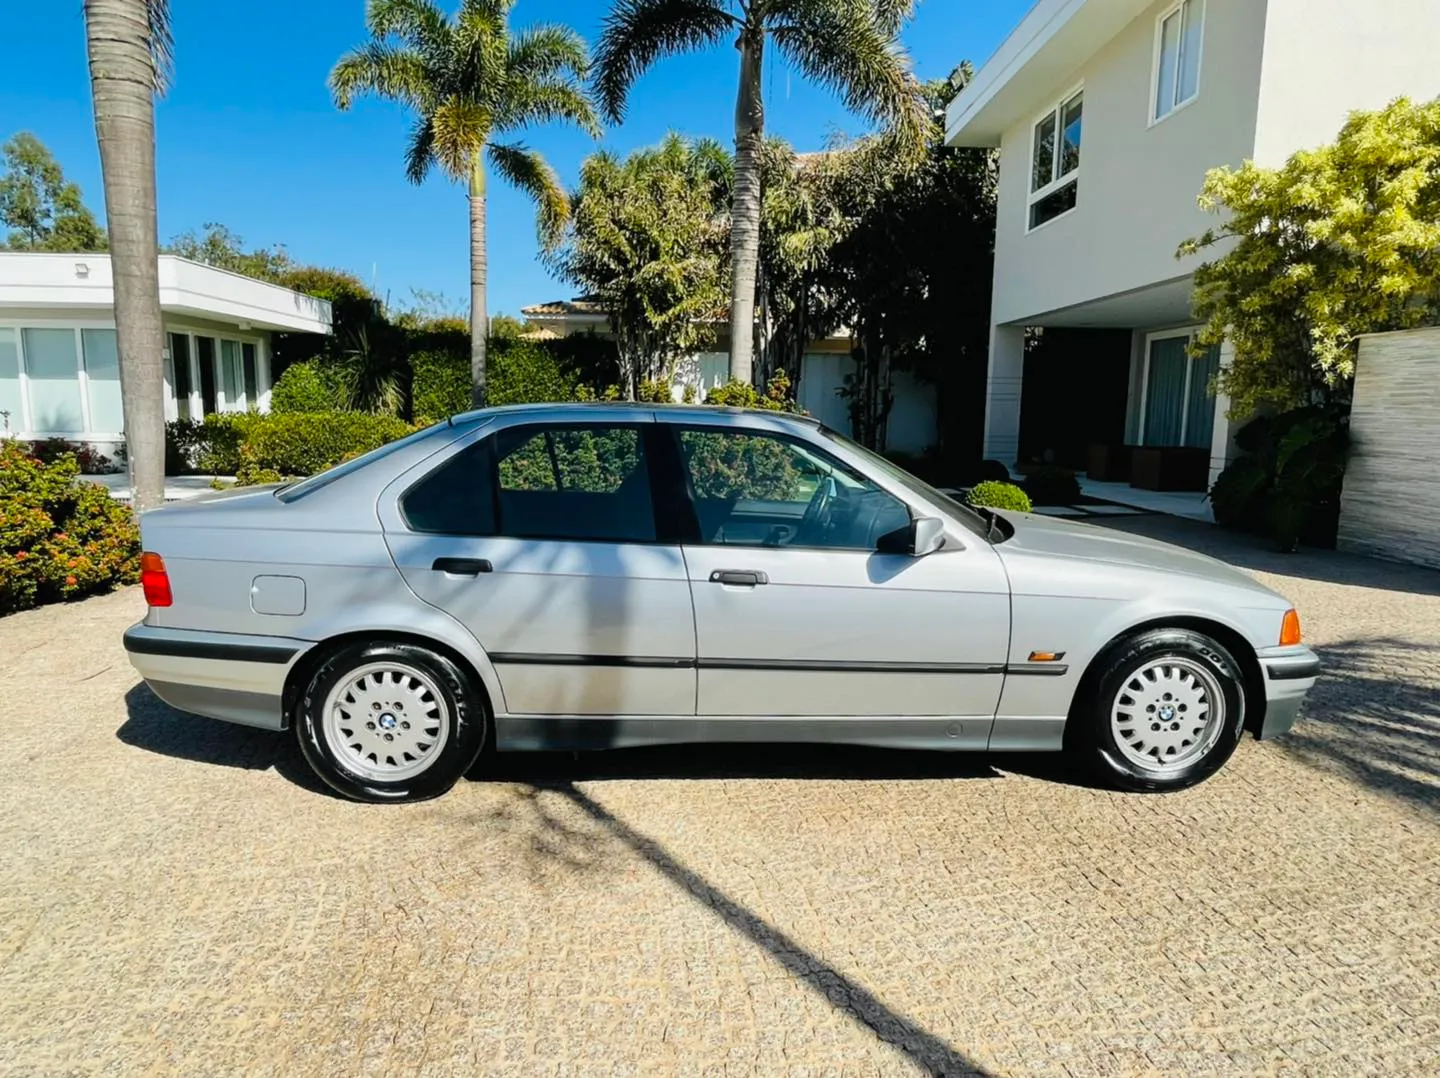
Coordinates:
column 177, row 896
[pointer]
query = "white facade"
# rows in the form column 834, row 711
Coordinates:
column 59, row 368
column 1169, row 89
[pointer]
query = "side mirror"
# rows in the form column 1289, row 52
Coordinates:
column 923, row 535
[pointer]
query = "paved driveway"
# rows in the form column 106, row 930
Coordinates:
column 177, row 897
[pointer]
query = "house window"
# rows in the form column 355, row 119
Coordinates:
column 1055, row 168
column 11, row 403
column 1177, row 57
column 1179, row 409
column 52, row 369
column 102, row 380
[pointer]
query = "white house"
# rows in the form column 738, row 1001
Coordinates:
column 1107, row 115
column 911, row 428
column 59, row 372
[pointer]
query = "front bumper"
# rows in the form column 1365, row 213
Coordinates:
column 227, row 676
column 1290, row 674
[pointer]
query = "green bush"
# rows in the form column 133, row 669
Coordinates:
column 303, row 443
column 309, row 386
column 1288, row 484
column 90, row 461
column 1049, row 485
column 210, row 446
column 776, row 398
column 997, row 495
column 517, row 372
column 59, row 538
column 440, row 386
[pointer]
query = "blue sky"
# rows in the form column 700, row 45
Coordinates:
column 248, row 136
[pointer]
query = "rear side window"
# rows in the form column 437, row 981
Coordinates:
column 562, row 483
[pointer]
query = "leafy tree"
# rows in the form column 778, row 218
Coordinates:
column 850, row 46
column 647, row 240
column 469, row 79
column 1339, row 241
column 129, row 49
column 44, row 211
column 217, row 246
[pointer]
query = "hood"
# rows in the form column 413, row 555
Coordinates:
column 1055, row 538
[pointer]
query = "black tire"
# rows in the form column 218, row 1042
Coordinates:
column 1115, row 670
column 463, row 741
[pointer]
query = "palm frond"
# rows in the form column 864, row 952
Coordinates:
column 162, row 42
column 418, row 21
column 459, row 129
column 637, row 33
column 420, row 153
column 888, row 15
column 845, row 46
column 527, row 170
column 398, row 73
column 547, row 51
column 542, row 101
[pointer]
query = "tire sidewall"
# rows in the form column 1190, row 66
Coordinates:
column 467, row 734
column 1117, row 668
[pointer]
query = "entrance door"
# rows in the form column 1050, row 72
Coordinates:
column 798, row 614
column 1179, row 408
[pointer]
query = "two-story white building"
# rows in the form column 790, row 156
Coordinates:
column 1107, row 115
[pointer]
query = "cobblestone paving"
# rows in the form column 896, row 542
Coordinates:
column 176, row 896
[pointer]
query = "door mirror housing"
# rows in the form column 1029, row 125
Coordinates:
column 924, row 535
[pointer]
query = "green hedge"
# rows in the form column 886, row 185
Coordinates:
column 996, row 495
column 517, row 371
column 310, row 386
column 303, row 443
column 60, row 538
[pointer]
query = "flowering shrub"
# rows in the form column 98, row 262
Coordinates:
column 59, row 538
column 90, row 459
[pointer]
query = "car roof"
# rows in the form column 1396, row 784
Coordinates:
column 672, row 413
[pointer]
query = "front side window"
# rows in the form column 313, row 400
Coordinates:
column 752, row 488
column 1055, row 162
column 1177, row 59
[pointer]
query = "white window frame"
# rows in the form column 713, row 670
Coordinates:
column 1178, row 106
column 1188, row 336
column 82, row 379
column 196, row 409
column 1057, row 109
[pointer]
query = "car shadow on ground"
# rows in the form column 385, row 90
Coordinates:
column 155, row 726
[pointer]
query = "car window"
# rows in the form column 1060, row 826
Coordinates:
column 753, row 488
column 589, row 482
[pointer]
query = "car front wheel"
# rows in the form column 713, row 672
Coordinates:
column 389, row 722
column 1166, row 711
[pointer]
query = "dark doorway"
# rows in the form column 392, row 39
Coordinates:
column 1074, row 393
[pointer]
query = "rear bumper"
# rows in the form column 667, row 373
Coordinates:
column 1290, row 674
column 225, row 676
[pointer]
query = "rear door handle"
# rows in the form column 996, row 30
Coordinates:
column 463, row 566
column 747, row 578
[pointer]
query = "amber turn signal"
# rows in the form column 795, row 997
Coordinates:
column 1290, row 628
column 154, row 580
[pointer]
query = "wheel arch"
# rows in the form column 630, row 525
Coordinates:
column 305, row 666
column 1252, row 677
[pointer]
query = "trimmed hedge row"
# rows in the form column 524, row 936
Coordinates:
column 60, row 537
column 268, row 448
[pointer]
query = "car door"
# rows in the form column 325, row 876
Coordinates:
column 799, row 614
column 543, row 539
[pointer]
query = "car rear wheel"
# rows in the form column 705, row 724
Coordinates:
column 1165, row 710
column 389, row 722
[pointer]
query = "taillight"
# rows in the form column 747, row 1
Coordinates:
column 154, row 580
column 1290, row 628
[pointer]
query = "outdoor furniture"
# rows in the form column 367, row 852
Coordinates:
column 1109, row 462
column 1169, row 468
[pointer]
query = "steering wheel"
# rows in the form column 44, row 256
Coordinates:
column 817, row 513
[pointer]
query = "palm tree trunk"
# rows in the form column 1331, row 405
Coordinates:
column 123, row 82
column 745, row 207
column 479, row 270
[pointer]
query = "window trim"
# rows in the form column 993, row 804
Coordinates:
column 1056, row 109
column 1160, row 19
column 697, row 539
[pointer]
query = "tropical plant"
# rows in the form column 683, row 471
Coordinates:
column 647, row 242
column 1287, row 484
column 44, row 211
column 1339, row 241
column 311, row 385
column 850, row 46
column 129, row 48
column 469, row 79
column 993, row 494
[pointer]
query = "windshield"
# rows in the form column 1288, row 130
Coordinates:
column 308, row 486
column 973, row 520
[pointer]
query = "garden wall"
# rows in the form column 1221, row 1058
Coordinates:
column 1390, row 507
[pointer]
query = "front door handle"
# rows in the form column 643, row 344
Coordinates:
column 463, row 566
column 746, row 578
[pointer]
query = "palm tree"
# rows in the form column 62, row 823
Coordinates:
column 129, row 46
column 468, row 78
column 848, row 45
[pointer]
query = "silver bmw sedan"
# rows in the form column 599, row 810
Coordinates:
column 596, row 576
